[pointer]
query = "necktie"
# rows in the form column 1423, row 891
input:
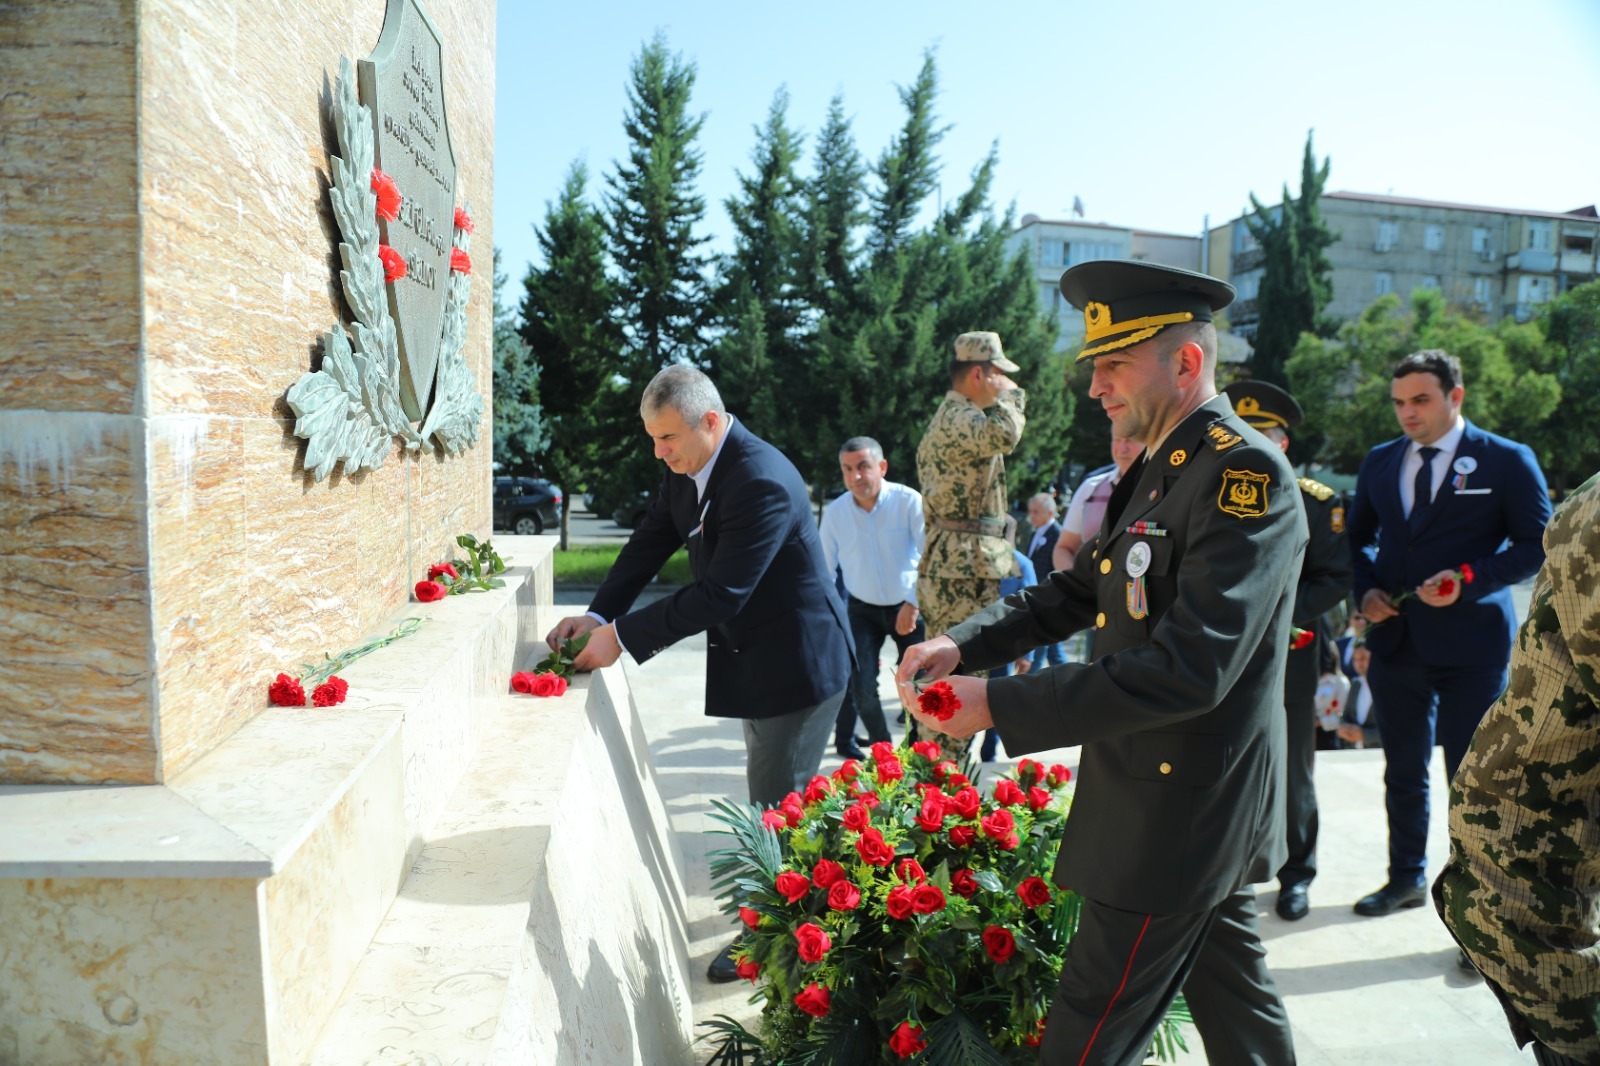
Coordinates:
column 1422, row 489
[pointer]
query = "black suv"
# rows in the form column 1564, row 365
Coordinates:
column 526, row 505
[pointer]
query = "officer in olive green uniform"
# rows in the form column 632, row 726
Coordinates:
column 1521, row 891
column 961, row 465
column 1324, row 584
column 1189, row 585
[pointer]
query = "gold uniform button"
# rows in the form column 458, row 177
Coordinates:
column 1100, row 620
column 1095, row 554
column 1105, row 566
column 1166, row 768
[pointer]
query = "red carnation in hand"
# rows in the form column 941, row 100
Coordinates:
column 388, row 195
column 1446, row 586
column 749, row 917
column 826, row 873
column 910, row 870
column 814, row 1000
column 813, row 942
column 438, row 570
column 460, row 262
column 394, row 264
column 428, row 591
column 1466, row 574
column 844, row 896
column 963, row 836
column 999, row 943
column 522, row 681
column 1301, row 638
column 750, row 971
column 330, row 692
column 287, row 691
column 963, row 884
column 792, row 887
column 926, row 899
column 907, row 1040
column 1034, row 892
column 899, row 903
column 857, row 817
column 1059, row 775
column 1008, row 793
column 939, row 700
column 873, row 850
column 927, row 749
column 464, row 220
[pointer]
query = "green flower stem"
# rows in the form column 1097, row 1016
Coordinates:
column 319, row 673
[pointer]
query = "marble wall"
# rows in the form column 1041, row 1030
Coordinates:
column 168, row 264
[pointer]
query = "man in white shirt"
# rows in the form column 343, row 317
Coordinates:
column 873, row 534
column 1087, row 508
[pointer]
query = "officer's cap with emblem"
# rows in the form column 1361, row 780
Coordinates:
column 1264, row 406
column 1126, row 302
column 984, row 347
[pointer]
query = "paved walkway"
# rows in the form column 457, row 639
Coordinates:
column 1360, row 991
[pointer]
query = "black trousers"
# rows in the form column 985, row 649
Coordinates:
column 870, row 624
column 1300, row 799
column 1123, row 970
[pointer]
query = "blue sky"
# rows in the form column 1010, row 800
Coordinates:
column 1155, row 114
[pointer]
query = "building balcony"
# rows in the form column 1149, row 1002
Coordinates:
column 1532, row 261
column 1577, row 262
column 1248, row 260
column 1241, row 311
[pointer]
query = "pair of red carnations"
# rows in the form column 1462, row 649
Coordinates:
column 388, row 208
column 287, row 691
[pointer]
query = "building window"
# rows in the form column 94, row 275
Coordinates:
column 1433, row 238
column 1383, row 282
column 1430, row 281
column 1050, row 253
column 1480, row 242
column 1533, row 290
column 1539, row 236
column 1388, row 235
column 1481, row 293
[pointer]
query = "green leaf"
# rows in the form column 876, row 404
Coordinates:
column 988, row 880
column 955, row 1040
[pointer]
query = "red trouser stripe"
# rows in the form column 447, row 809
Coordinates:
column 1126, row 970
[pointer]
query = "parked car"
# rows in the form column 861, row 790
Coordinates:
column 526, row 505
column 629, row 515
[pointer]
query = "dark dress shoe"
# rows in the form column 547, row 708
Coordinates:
column 723, row 969
column 849, row 750
column 1292, row 903
column 1464, row 964
column 1391, row 898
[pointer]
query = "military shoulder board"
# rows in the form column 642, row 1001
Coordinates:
column 1316, row 488
column 1221, row 439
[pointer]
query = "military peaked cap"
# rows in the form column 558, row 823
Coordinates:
column 1264, row 406
column 1125, row 302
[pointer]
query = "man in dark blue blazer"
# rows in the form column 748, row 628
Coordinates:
column 1443, row 497
column 778, row 644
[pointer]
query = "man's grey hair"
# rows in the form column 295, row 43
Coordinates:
column 862, row 444
column 683, row 389
column 1045, row 500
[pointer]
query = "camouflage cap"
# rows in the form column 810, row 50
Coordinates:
column 984, row 347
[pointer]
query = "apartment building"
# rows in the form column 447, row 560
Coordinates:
column 1494, row 261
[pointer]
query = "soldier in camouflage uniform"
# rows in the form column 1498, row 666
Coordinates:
column 1521, row 892
column 961, row 465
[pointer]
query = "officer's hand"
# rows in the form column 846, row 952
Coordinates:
column 1351, row 733
column 973, row 717
column 906, row 620
column 567, row 628
column 1375, row 606
column 935, row 658
column 1428, row 592
column 1022, row 665
column 603, row 649
column 1000, row 383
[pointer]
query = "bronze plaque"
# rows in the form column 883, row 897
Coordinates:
column 402, row 83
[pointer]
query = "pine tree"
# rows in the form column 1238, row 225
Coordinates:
column 521, row 428
column 833, row 216
column 1296, row 280
column 569, row 322
column 908, row 170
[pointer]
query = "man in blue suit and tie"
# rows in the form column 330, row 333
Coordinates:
column 1444, row 496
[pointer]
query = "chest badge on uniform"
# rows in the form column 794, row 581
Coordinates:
column 1137, row 562
column 1178, row 457
column 1243, row 493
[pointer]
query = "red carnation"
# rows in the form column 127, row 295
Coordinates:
column 1301, row 638
column 749, row 970
column 857, row 817
column 330, row 692
column 1466, row 574
column 1034, row 892
column 388, row 195
column 428, row 591
column 931, row 817
column 1038, row 798
column 899, row 903
column 814, row 1000
column 999, row 824
column 1007, row 792
column 287, row 691
column 910, row 870
column 939, row 700
column 1059, row 775
column 792, row 887
column 394, row 264
column 438, row 570
column 549, row 684
column 464, row 220
column 522, row 681
column 999, row 943
column 873, row 850
column 927, row 749
column 967, row 802
column 926, row 899
column 1446, row 587
column 826, row 873
column 749, row 917
column 460, row 262
column 813, row 943
column 963, row 836
column 963, row 884
column 907, row 1040
column 774, row 820
column 844, row 896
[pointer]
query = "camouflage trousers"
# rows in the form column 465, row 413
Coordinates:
column 946, row 602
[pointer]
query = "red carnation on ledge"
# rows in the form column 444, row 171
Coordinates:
column 394, row 264
column 464, row 220
column 287, row 691
column 330, row 693
column 460, row 262
column 939, row 700
column 389, row 198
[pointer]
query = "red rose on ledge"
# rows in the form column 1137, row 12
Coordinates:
column 394, row 264
column 388, row 195
column 287, row 691
column 939, row 700
column 522, row 681
column 815, row 1000
column 460, row 262
column 330, row 692
column 429, row 591
column 907, row 1040
column 548, row 684
column 438, row 570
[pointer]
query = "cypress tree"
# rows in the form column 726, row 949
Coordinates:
column 1296, row 281
column 521, row 429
